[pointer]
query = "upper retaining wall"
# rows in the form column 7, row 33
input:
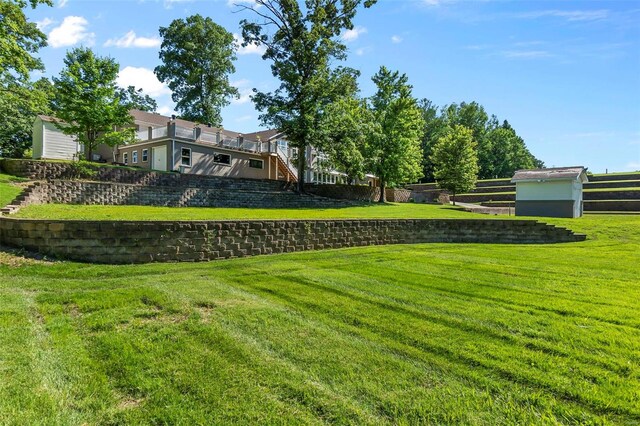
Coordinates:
column 109, row 193
column 141, row 242
column 47, row 170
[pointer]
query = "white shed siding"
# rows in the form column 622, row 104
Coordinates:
column 37, row 138
column 560, row 190
column 57, row 145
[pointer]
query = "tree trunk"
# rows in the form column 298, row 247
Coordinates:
column 454, row 198
column 383, row 195
column 302, row 162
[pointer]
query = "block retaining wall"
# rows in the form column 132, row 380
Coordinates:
column 46, row 170
column 109, row 193
column 122, row 242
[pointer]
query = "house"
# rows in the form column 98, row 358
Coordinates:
column 172, row 144
column 554, row 192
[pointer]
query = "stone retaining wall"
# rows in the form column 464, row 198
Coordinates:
column 47, row 170
column 141, row 242
column 358, row 192
column 108, row 193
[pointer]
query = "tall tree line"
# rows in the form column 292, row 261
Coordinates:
column 499, row 149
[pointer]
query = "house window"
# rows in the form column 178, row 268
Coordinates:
column 125, row 158
column 134, row 157
column 185, row 157
column 145, row 155
column 256, row 164
column 222, row 158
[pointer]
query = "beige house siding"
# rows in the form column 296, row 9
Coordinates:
column 202, row 162
column 139, row 148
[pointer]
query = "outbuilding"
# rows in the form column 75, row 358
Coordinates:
column 554, row 192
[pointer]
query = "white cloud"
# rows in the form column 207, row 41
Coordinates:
column 243, row 118
column 361, row 51
column 131, row 40
column 243, row 86
column 168, row 4
column 251, row 49
column 62, row 3
column 73, row 30
column 166, row 110
column 353, row 34
column 569, row 15
column 396, row 39
column 142, row 78
column 248, row 3
column 632, row 166
column 44, row 24
column 526, row 54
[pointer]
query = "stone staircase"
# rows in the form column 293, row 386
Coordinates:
column 24, row 198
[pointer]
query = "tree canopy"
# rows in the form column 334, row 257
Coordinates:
column 197, row 57
column 347, row 124
column 134, row 98
column 455, row 160
column 20, row 98
column 393, row 152
column 500, row 150
column 87, row 101
column 19, row 40
column 301, row 41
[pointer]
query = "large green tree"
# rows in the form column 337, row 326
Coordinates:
column 19, row 40
column 434, row 128
column 500, row 150
column 455, row 161
column 134, row 98
column 301, row 41
column 18, row 108
column 20, row 98
column 197, row 57
column 87, row 101
column 394, row 152
column 347, row 125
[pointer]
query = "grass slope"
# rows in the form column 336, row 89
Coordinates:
column 369, row 211
column 8, row 189
column 432, row 333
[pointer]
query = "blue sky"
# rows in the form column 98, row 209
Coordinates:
column 566, row 74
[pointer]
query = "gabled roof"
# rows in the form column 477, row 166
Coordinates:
column 152, row 119
column 556, row 173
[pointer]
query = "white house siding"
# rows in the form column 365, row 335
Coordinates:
column 56, row 144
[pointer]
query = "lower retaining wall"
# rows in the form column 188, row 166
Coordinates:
column 121, row 242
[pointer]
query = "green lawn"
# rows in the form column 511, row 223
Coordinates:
column 430, row 333
column 369, row 211
column 8, row 189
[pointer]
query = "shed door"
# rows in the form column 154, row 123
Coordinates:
column 159, row 154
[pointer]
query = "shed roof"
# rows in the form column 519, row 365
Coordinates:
column 556, row 173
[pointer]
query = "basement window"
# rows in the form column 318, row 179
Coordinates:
column 256, row 164
column 134, row 157
column 185, row 157
column 125, row 158
column 145, row 155
column 222, row 158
